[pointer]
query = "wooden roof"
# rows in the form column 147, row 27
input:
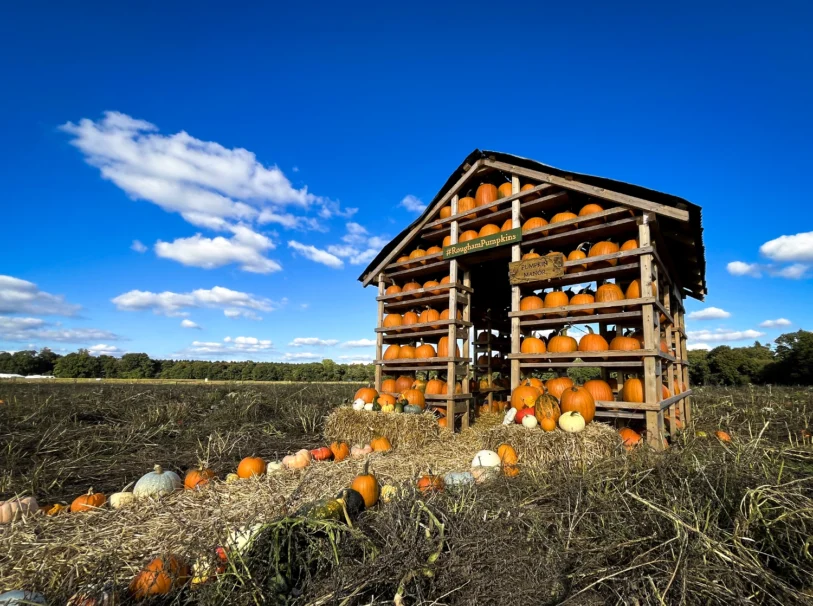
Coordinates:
column 679, row 220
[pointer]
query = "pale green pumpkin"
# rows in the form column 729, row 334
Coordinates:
column 157, row 483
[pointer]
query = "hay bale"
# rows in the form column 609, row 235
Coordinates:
column 535, row 447
column 361, row 426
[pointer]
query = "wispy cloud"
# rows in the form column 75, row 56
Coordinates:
column 413, row 204
column 23, row 297
column 234, row 302
column 359, row 343
column 778, row 323
column 312, row 342
column 709, row 313
column 138, row 246
column 187, row 323
column 723, row 335
column 31, row 330
column 316, row 255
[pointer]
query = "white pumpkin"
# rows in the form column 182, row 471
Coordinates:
column 529, row 422
column 157, row 483
column 359, row 404
column 232, row 478
column 14, row 509
column 19, row 597
column 273, row 466
column 486, row 458
column 118, row 500
column 368, row 407
column 510, row 414
column 571, row 422
column 240, row 538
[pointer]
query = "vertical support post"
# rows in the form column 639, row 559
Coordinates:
column 684, row 354
column 451, row 369
column 675, row 411
column 652, row 390
column 516, row 294
column 379, row 336
column 466, row 351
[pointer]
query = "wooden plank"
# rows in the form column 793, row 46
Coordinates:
column 652, row 387
column 416, row 328
column 438, row 397
column 379, row 338
column 536, row 269
column 609, row 355
column 441, row 290
column 598, row 192
column 628, row 268
column 461, row 218
column 538, row 238
column 451, row 368
column 401, row 275
column 464, row 421
column 419, row 226
column 459, row 408
column 619, row 414
column 626, row 318
column 516, row 294
column 431, row 301
column 631, row 364
column 429, row 362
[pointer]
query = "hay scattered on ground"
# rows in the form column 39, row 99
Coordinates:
column 536, row 447
column 361, row 426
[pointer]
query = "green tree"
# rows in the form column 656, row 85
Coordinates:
column 794, row 359
column 79, row 365
column 137, row 366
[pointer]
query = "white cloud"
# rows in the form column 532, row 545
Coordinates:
column 239, row 346
column 798, row 248
column 709, row 313
column 359, row 343
column 242, row 313
column 187, row 323
column 413, row 204
column 357, row 359
column 303, row 355
column 245, row 248
column 775, row 323
column 316, row 254
column 359, row 246
column 138, row 246
column 233, row 302
column 693, row 346
column 723, row 334
column 103, row 349
column 36, row 329
column 312, row 342
column 796, row 271
column 739, row 268
column 23, row 297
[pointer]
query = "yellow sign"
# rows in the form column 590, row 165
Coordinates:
column 512, row 236
column 540, row 268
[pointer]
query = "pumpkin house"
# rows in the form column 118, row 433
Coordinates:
column 517, row 270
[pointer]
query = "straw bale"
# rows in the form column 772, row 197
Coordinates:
column 361, row 426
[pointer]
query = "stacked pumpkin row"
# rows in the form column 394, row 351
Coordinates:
column 427, row 316
column 561, row 342
column 599, row 249
column 556, row 403
column 411, row 287
column 408, row 401
column 608, row 292
column 423, row 352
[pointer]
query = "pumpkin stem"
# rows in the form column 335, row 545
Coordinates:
column 90, row 491
column 158, row 469
column 366, row 467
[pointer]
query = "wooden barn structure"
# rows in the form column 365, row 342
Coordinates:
column 464, row 273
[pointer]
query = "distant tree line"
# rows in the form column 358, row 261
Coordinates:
column 83, row 365
column 790, row 362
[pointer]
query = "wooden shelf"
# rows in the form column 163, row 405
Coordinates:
column 423, row 301
column 424, row 291
column 438, row 397
column 417, row 329
column 629, row 268
column 635, row 354
column 425, row 336
column 441, row 364
column 569, row 309
column 536, row 238
column 591, row 364
column 628, row 318
column 437, row 266
column 459, row 407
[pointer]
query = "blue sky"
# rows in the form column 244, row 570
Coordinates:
column 260, row 155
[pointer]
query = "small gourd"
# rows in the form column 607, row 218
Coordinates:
column 571, row 422
column 359, row 452
column 529, row 421
column 119, row 500
column 299, row 460
column 353, row 502
column 388, row 493
column 232, row 478
column 273, row 466
column 510, row 415
column 486, row 458
column 359, row 404
column 413, row 409
column 369, row 407
column 458, row 479
column 157, row 483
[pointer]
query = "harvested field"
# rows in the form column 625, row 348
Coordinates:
column 705, row 523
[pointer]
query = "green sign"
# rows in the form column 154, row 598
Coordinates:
column 512, row 236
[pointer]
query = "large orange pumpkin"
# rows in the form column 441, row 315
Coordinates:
column 340, row 451
column 393, row 289
column 486, row 194
column 591, row 209
column 607, row 293
column 435, row 387
column 416, row 255
column 622, row 343
column 556, row 298
column 507, row 225
column 562, row 343
column 407, row 352
column 393, row 352
column 630, row 437
column 411, row 286
column 557, row 386
column 429, row 315
column 251, row 466
column 368, row 394
column 403, row 383
column 444, row 315
column 630, row 245
column 414, row 397
column 466, row 204
column 489, row 229
column 159, row 577
column 430, row 285
column 199, row 476
column 578, row 399
column 600, row 390
column 388, row 385
column 600, row 249
column 530, row 255
column 393, row 320
column 386, row 399
column 504, row 190
column 467, row 235
column 531, row 303
column 634, row 289
column 577, row 255
column 533, row 223
column 425, row 351
column 560, row 218
column 593, row 342
column 409, row 319
column 447, row 241
column 585, row 297
column 445, row 213
column 524, row 396
column 533, row 345
column 443, row 348
column 633, row 391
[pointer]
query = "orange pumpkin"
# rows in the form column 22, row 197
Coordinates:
column 403, row 383
column 507, row 225
column 428, row 482
column 407, row 352
column 504, row 190
column 562, row 343
column 600, row 390
column 443, row 348
column 585, row 297
column 590, row 209
column 414, row 397
column 402, row 259
column 578, row 399
column 560, row 218
column 447, row 241
column 486, row 194
column 393, row 289
column 430, row 285
column 411, row 286
column 340, row 451
column 425, row 351
column 630, row 245
column 533, row 345
column 524, row 396
column 489, row 229
column 558, row 385
column 533, row 223
column 530, row 255
column 466, row 204
column 622, row 343
column 388, row 385
column 556, row 298
column 380, row 444
column 368, row 394
column 409, row 319
column 197, row 477
column 386, row 399
column 444, row 315
column 159, row 577
column 593, row 342
column 467, row 235
column 323, row 453
column 435, row 387
column 429, row 315
column 393, row 320
column 531, row 303
column 446, row 212
column 665, row 393
column 393, row 352
column 86, row 502
column 416, row 255
column 251, row 466
column 633, row 391
column 723, row 436
column 607, row 293
column 600, row 249
column 577, row 255
column 634, row 290
column 629, row 437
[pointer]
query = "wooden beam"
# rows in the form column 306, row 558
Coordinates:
column 417, row 229
column 379, row 337
column 516, row 293
column 591, row 190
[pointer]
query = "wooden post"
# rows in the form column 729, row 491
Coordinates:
column 516, row 294
column 451, row 368
column 676, row 410
column 652, row 391
column 466, row 352
column 379, row 337
column 684, row 354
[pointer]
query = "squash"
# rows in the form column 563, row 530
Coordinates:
column 504, row 190
column 578, row 399
column 571, row 422
column 368, row 394
column 522, row 413
column 340, row 451
column 274, row 467
column 413, row 409
column 467, row 235
column 425, row 351
column 388, row 493
column 466, row 204
column 529, row 421
column 486, row 194
column 560, row 218
column 359, row 404
column 557, row 386
column 599, row 249
column 251, row 466
column 323, row 453
column 299, row 460
column 92, row 500
column 600, row 390
column 607, row 293
column 430, row 483
column 533, row 223
column 486, row 458
column 54, row 510
column 120, row 500
column 489, row 229
column 547, row 411
column 629, row 437
column 353, row 502
column 723, row 436
column 508, row 457
column 359, row 452
column 380, row 444
column 14, row 509
column 403, row 383
column 593, row 342
column 322, row 509
column 367, row 486
column 562, row 343
column 458, row 479
column 633, row 391
column 159, row 577
column 577, row 255
column 231, row 478
column 590, row 209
